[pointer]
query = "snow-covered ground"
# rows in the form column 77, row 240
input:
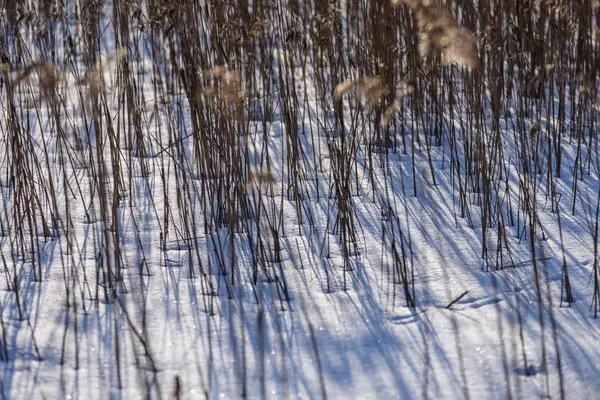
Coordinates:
column 311, row 323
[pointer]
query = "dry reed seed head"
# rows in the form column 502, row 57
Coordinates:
column 404, row 89
column 441, row 36
column 322, row 23
column 389, row 113
column 342, row 89
column 587, row 84
column 221, row 75
column 534, row 128
column 118, row 55
column 49, row 75
column 258, row 29
column 96, row 81
column 95, row 78
column 413, row 4
column 57, row 10
column 222, row 85
column 369, row 88
column 201, row 93
column 370, row 82
column 215, row 71
column 372, row 89
column 259, row 177
column 462, row 52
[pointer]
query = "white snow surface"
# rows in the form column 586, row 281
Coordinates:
column 346, row 331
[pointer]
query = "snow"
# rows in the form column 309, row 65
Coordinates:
column 346, row 331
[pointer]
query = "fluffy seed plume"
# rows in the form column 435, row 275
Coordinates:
column 222, row 85
column 441, row 38
column 48, row 73
column 259, row 177
column 389, row 113
column 368, row 88
column 95, row 78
